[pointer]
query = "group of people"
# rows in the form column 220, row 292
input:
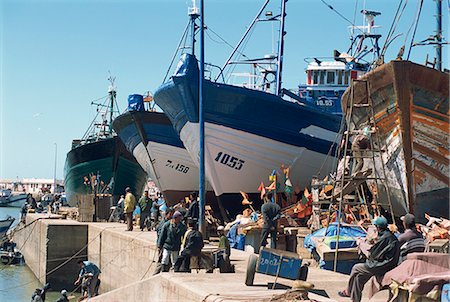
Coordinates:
column 387, row 251
column 178, row 238
column 150, row 209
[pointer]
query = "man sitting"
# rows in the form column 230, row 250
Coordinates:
column 383, row 256
column 192, row 247
column 411, row 241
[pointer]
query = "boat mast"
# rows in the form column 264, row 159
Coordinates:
column 193, row 12
column 112, row 99
column 439, row 35
column 281, row 47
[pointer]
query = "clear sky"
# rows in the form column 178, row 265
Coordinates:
column 55, row 56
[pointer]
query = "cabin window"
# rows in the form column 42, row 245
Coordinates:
column 315, row 77
column 322, row 77
column 346, row 77
column 339, row 77
column 330, row 77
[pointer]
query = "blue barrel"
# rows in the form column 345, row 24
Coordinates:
column 135, row 102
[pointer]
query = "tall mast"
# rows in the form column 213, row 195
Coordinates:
column 193, row 12
column 112, row 100
column 439, row 35
column 281, row 47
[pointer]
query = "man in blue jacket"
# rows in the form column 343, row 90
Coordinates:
column 90, row 272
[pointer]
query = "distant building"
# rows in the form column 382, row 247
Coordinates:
column 34, row 186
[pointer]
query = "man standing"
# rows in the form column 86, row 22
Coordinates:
column 383, row 256
column 145, row 203
column 271, row 212
column 89, row 272
column 169, row 240
column 193, row 211
column 130, row 205
column 359, row 145
column 411, row 241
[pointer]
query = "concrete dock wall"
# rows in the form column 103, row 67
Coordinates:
column 47, row 245
column 123, row 257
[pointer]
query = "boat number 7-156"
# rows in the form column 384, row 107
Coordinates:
column 229, row 160
column 176, row 166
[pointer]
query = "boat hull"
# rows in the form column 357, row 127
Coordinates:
column 4, row 226
column 14, row 200
column 411, row 107
column 150, row 137
column 110, row 162
column 248, row 133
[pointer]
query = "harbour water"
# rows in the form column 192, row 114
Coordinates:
column 17, row 282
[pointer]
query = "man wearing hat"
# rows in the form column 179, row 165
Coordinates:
column 169, row 240
column 411, row 241
column 383, row 256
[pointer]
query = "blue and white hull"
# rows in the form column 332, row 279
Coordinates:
column 150, row 137
column 235, row 162
column 248, row 133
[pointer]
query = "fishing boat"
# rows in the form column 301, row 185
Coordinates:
column 10, row 198
column 411, row 106
column 151, row 138
column 411, row 110
column 99, row 163
column 250, row 129
column 328, row 77
column 5, row 224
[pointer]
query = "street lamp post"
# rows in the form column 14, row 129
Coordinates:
column 54, row 172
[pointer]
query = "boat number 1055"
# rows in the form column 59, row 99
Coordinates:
column 230, row 161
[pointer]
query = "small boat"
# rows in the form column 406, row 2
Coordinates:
column 99, row 163
column 16, row 200
column 5, row 224
column 12, row 199
column 9, row 254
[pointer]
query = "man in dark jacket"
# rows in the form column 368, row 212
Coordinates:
column 411, row 241
column 271, row 212
column 145, row 203
column 193, row 211
column 192, row 247
column 383, row 256
column 169, row 240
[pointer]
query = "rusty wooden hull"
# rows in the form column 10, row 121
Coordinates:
column 411, row 105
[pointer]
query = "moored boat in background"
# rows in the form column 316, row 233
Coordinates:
column 99, row 163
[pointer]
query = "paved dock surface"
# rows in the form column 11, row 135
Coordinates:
column 200, row 286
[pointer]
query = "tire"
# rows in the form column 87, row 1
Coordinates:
column 251, row 270
column 6, row 260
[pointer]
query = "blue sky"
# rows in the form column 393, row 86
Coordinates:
column 55, row 57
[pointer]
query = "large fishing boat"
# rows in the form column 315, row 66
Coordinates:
column 411, row 105
column 411, row 111
column 250, row 129
column 99, row 163
column 151, row 138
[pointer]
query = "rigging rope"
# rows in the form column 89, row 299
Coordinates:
column 415, row 28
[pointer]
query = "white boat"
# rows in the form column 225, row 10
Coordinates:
column 12, row 199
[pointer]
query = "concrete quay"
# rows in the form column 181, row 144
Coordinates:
column 127, row 261
column 48, row 244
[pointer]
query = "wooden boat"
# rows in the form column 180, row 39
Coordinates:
column 411, row 111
